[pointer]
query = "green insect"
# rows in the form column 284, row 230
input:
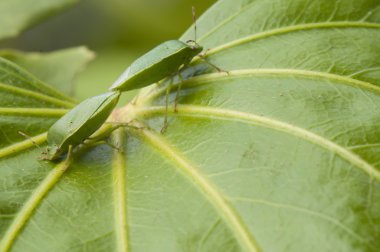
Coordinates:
column 79, row 123
column 162, row 61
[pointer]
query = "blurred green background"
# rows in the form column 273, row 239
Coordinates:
column 118, row 31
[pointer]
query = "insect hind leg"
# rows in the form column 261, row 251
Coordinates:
column 165, row 126
column 103, row 137
column 178, row 91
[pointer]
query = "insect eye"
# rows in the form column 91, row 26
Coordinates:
column 191, row 42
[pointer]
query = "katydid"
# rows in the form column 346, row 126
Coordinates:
column 162, row 61
column 79, row 123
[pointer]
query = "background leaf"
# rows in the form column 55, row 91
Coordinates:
column 280, row 154
column 45, row 65
column 16, row 15
column 24, row 99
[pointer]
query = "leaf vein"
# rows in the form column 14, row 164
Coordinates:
column 250, row 118
column 226, row 20
column 120, row 192
column 35, row 95
column 321, row 216
column 34, row 82
column 199, row 80
column 289, row 29
column 31, row 204
column 23, row 145
column 221, row 205
column 44, row 112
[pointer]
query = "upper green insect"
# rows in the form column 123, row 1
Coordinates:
column 160, row 62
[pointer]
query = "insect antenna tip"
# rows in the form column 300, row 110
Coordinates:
column 29, row 138
column 194, row 22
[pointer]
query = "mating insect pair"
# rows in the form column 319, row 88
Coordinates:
column 80, row 123
column 164, row 61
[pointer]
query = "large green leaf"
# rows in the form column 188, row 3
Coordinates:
column 16, row 15
column 280, row 154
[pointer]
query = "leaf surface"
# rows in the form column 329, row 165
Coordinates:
column 278, row 154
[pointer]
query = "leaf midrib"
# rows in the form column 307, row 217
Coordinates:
column 219, row 202
column 288, row 29
column 36, row 95
column 37, row 84
column 119, row 170
column 23, row 145
column 233, row 115
column 31, row 204
column 290, row 72
column 236, row 14
column 40, row 112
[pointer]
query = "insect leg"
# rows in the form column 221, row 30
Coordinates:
column 102, row 137
column 178, row 91
column 134, row 101
column 70, row 153
column 163, row 129
column 29, row 138
column 203, row 58
column 109, row 144
column 126, row 125
column 195, row 22
column 44, row 153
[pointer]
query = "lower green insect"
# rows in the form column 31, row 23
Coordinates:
column 79, row 123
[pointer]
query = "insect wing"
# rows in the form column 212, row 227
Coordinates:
column 162, row 61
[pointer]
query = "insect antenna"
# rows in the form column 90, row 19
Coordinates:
column 195, row 23
column 29, row 138
column 194, row 41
